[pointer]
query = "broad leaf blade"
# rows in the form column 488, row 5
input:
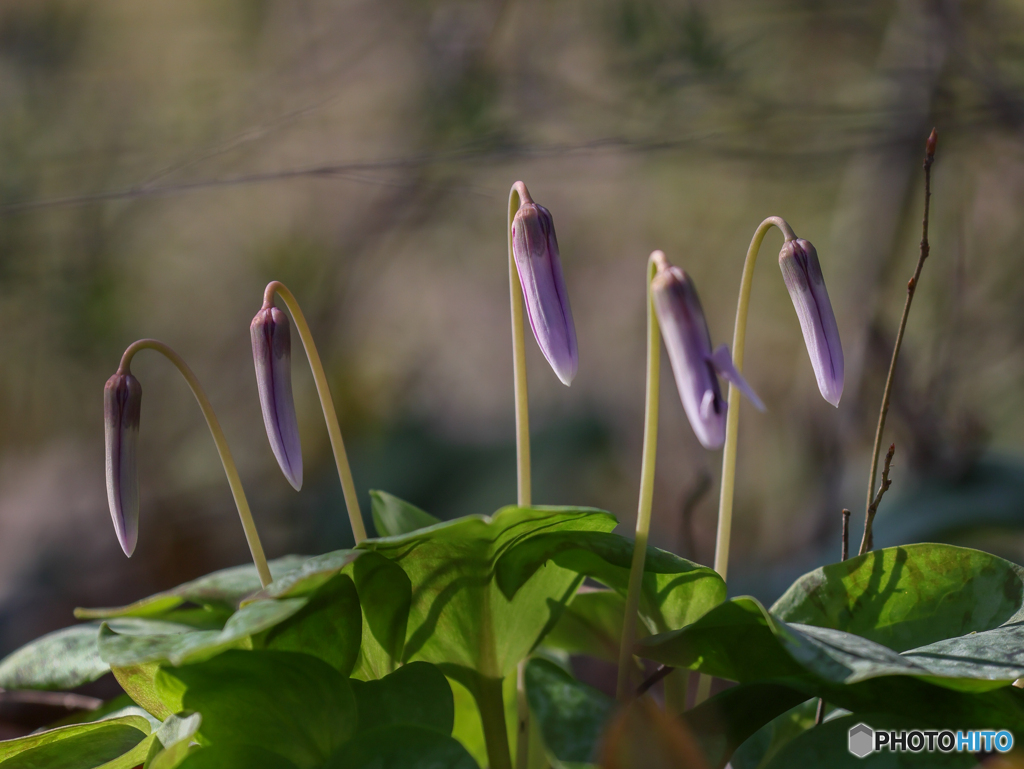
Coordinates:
column 571, row 715
column 80, row 746
column 909, row 596
column 416, row 694
column 402, row 747
column 287, row 703
column 222, row 590
column 458, row 615
column 591, row 624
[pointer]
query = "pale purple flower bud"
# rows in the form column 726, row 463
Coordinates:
column 535, row 249
column 271, row 353
column 122, row 404
column 695, row 366
column 802, row 273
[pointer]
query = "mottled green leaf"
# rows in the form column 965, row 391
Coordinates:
column 70, row 657
column 402, row 747
column 571, row 715
column 139, row 682
column 674, row 593
column 417, row 694
column 288, row 703
column 458, row 615
column 123, row 650
column 393, row 516
column 220, row 590
column 80, row 746
column 308, row 576
column 171, row 743
column 909, row 596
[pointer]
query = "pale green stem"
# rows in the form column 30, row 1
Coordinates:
column 348, row 486
column 624, row 689
column 234, row 481
column 517, row 196
column 732, row 417
column 491, row 704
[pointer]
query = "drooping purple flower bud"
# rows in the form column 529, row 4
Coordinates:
column 272, row 355
column 535, row 249
column 695, row 366
column 802, row 273
column 122, row 403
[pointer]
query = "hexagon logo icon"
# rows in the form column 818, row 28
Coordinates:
column 861, row 740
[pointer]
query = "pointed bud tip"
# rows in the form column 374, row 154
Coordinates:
column 933, row 140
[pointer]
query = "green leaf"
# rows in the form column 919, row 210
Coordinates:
column 393, row 516
column 235, row 757
column 308, row 576
column 172, row 740
column 402, row 747
column 826, row 745
column 458, row 615
column 417, row 694
column 139, row 682
column 68, row 658
column 909, row 596
column 385, row 594
column 571, row 715
column 292, row 704
column 329, row 626
column 762, row 746
column 674, row 593
column 80, row 746
column 727, row 720
column 591, row 624
column 122, row 650
column 221, row 591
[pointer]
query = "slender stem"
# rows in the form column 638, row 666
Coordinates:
column 492, row 715
column 732, row 416
column 643, row 516
column 234, row 481
column 516, row 197
column 846, row 534
column 348, row 486
column 929, row 157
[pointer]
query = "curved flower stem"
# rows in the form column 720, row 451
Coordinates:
column 623, row 690
column 234, row 481
column 732, row 417
column 348, row 486
column 516, row 197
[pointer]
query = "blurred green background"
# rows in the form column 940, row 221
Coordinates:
column 161, row 161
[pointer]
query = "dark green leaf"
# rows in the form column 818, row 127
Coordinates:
column 329, row 626
column 762, row 746
column 393, row 516
column 910, row 596
column 458, row 614
column 289, row 703
column 826, row 746
column 81, row 746
column 385, row 594
column 402, row 747
column 417, row 694
column 235, row 757
column 221, row 590
column 727, row 720
column 571, row 715
column 675, row 591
